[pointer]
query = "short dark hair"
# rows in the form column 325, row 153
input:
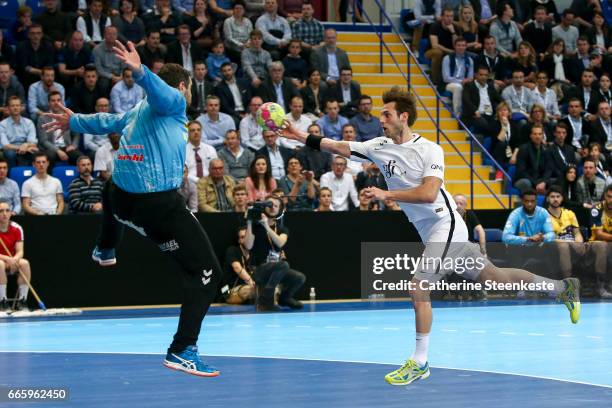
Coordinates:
column 174, row 74
column 363, row 97
column 404, row 102
column 588, row 159
column 40, row 154
column 346, row 68
column 540, row 7
column 90, row 67
column 528, row 191
column 567, row 11
column 238, row 3
column 153, row 31
column 574, row 99
column 53, row 93
column 85, row 157
column 561, row 125
column 256, row 33
column 554, row 189
column 608, row 189
column 459, row 39
column 483, row 68
column 225, row 64
column 448, row 8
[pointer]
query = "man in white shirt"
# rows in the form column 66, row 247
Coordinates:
column 93, row 142
column 250, row 132
column 198, row 154
column 546, row 96
column 17, row 135
column 519, row 97
column 126, row 93
column 275, row 29
column 105, row 156
column 342, row 185
column 297, row 119
column 92, row 24
column 42, row 194
column 214, row 123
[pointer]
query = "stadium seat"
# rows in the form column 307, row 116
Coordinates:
column 509, row 187
column 487, row 143
column 65, row 174
column 491, row 234
column 541, row 200
column 423, row 47
column 21, row 174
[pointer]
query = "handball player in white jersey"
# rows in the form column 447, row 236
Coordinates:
column 414, row 171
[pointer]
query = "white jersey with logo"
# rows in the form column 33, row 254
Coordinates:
column 404, row 167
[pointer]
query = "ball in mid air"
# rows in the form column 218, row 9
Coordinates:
column 270, row 116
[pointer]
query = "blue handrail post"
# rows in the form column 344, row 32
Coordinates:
column 472, row 174
column 381, row 36
column 437, row 120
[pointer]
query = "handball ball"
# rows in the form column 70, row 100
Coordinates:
column 270, row 116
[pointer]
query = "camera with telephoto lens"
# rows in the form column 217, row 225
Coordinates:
column 257, row 208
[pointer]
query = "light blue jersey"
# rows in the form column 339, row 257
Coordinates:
column 520, row 226
column 151, row 155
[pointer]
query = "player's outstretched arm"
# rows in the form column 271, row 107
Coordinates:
column 426, row 193
column 95, row 124
column 327, row 145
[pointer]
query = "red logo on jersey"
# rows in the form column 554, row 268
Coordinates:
column 131, row 157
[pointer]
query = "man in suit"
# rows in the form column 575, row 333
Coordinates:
column 347, row 92
column 59, row 146
column 200, row 89
column 328, row 59
column 560, row 154
column 277, row 88
column 492, row 59
column 578, row 128
column 184, row 51
column 276, row 155
column 152, row 49
column 233, row 93
column 480, row 112
column 532, row 171
column 602, row 128
column 586, row 93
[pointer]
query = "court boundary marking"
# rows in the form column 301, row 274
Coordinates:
column 313, row 359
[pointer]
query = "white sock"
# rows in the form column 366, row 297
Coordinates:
column 421, row 349
column 23, row 292
column 559, row 285
column 2, row 292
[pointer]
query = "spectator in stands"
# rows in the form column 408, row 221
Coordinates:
column 54, row 22
column 42, row 194
column 298, row 120
column 325, row 200
column 38, row 93
column 492, row 59
column 583, row 53
column 349, row 134
column 366, row 125
column 184, row 51
column 342, row 185
column 215, row 190
column 551, row 9
column 198, row 154
column 457, row 70
column 126, row 93
column 538, row 32
column 590, row 188
column 584, row 12
column 519, row 97
column 601, row 128
column 597, row 63
column 467, row 27
column 546, row 97
column 236, row 158
column 601, row 219
column 17, row 135
column 472, row 222
column 234, row 94
column 526, row 62
column 538, row 117
column 561, row 155
column 366, row 203
column 299, row 186
column 567, row 32
column 528, row 223
column 189, row 191
column 88, row 91
column 560, row 69
column 331, row 124
column 105, row 155
column 441, row 36
column 85, row 191
column 240, row 283
column 601, row 167
column 260, row 182
column 241, row 199
column 599, row 35
column 314, row 94
column 129, row 26
column 19, row 28
column 9, row 190
column 200, row 23
column 108, row 65
column 250, row 131
column 33, row 55
column 578, row 128
column 165, row 20
column 72, row 60
column 506, row 144
column 391, row 205
column 93, row 23
column 214, row 123
column 296, row 67
column 479, row 102
column 57, row 145
column 315, row 160
column 586, row 93
column 275, row 30
column 9, row 86
column 236, row 31
column 12, row 261
column 370, row 176
column 347, row 92
column 328, row 59
column 426, row 12
column 570, row 188
column 7, row 52
column 200, row 89
column 308, row 30
column 532, row 171
column 152, row 49
column 255, row 60
column 276, row 155
column 506, row 32
column 220, row 9
column 93, row 142
column 276, row 88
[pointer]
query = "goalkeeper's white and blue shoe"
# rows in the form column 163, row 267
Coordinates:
column 189, row 361
column 408, row 373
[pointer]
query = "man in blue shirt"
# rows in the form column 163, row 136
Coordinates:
column 528, row 223
column 331, row 124
column 142, row 194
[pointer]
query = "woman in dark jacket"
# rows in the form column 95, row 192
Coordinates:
column 314, row 94
column 506, row 138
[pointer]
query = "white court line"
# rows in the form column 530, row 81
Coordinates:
column 361, row 328
column 478, row 331
column 449, row 330
column 309, row 359
column 565, row 335
column 273, row 325
column 243, row 325
column 303, row 327
column 508, row 333
column 595, row 337
column 535, row 334
column 391, row 328
column 331, row 327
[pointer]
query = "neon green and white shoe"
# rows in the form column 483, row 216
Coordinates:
column 571, row 298
column 408, row 373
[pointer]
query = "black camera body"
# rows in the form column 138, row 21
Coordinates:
column 257, row 208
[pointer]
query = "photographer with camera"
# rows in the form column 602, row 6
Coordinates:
column 265, row 238
column 240, row 286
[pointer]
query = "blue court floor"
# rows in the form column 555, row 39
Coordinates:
column 516, row 355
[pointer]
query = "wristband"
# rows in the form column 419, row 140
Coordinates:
column 314, row 142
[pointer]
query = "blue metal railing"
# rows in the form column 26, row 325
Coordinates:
column 474, row 142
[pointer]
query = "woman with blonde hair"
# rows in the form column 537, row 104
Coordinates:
column 506, row 138
column 467, row 28
column 538, row 117
column 526, row 62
